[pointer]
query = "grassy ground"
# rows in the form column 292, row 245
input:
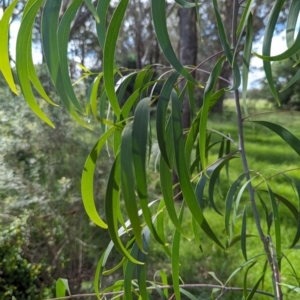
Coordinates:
column 267, row 156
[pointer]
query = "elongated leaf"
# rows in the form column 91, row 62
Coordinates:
column 161, row 113
column 102, row 9
column 160, row 26
column 297, row 235
column 286, row 135
column 244, row 234
column 87, row 180
column 208, row 92
column 164, row 281
column 267, row 42
column 183, row 174
column 245, row 292
column 63, row 33
column 92, row 9
column 109, row 54
column 127, row 183
column 229, row 201
column 246, row 59
column 226, row 47
column 4, row 47
column 244, row 19
column 215, row 172
column 253, row 291
column 186, row 4
column 295, row 78
column 23, row 45
column 188, row 294
column 61, row 287
column 292, row 23
column 250, row 261
column 276, row 221
column 139, row 149
column 92, row 96
column 49, row 28
column 175, row 257
column 111, row 207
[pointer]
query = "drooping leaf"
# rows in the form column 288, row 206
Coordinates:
column 139, row 150
column 102, row 9
column 286, row 135
column 24, row 45
column 161, row 114
column 291, row 24
column 246, row 59
column 112, row 203
column 276, row 221
column 160, row 26
column 4, row 47
column 92, row 9
column 183, row 174
column 127, row 184
column 109, row 55
column 52, row 48
column 230, row 199
column 63, row 34
column 267, row 42
column 175, row 257
column 226, row 47
column 87, row 180
column 208, row 92
column 243, row 234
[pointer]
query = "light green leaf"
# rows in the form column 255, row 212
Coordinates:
column 92, row 96
column 61, row 287
column 87, row 180
column 4, row 47
column 23, row 45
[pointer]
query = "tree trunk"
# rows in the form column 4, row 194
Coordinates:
column 187, row 56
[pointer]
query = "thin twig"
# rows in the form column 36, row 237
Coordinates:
column 185, row 286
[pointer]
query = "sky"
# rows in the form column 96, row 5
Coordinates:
column 278, row 46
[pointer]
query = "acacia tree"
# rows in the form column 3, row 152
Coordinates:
column 126, row 130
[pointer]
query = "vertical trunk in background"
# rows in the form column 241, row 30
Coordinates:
column 187, row 51
column 188, row 56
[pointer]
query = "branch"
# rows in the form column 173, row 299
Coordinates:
column 224, row 290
